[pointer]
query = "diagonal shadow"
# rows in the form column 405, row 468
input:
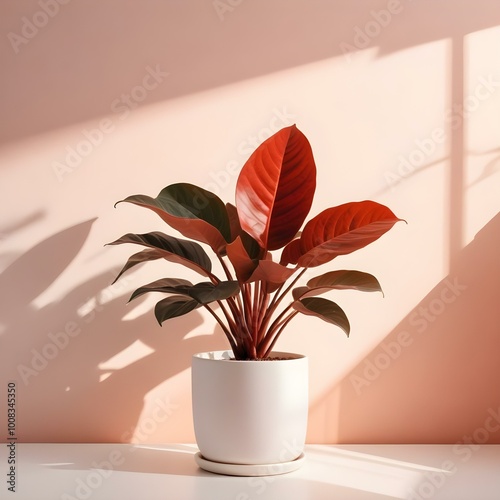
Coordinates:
column 105, row 56
column 54, row 353
column 433, row 379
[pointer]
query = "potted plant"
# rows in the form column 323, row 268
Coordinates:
column 250, row 402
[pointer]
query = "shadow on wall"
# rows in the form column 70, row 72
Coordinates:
column 118, row 55
column 63, row 395
column 435, row 377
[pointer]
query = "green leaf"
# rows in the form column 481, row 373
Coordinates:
column 193, row 211
column 164, row 285
column 338, row 280
column 187, row 253
column 203, row 293
column 207, row 292
column 174, row 306
column 138, row 258
column 324, row 309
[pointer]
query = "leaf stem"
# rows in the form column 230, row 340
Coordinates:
column 226, row 331
column 278, row 333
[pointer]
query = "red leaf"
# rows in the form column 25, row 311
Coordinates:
column 243, row 265
column 339, row 231
column 272, row 273
column 275, row 188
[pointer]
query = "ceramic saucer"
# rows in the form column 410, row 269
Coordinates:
column 248, row 470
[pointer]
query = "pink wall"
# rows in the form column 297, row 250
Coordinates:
column 400, row 101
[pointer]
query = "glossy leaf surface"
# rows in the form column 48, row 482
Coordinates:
column 174, row 306
column 203, row 293
column 324, row 309
column 185, row 252
column 276, row 187
column 338, row 280
column 195, row 212
column 138, row 258
column 339, row 231
column 272, row 273
column 243, row 265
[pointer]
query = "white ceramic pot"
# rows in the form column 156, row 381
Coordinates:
column 250, row 412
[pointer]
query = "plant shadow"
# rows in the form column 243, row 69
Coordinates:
column 433, row 378
column 56, row 352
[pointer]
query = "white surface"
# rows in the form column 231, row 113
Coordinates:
column 120, row 471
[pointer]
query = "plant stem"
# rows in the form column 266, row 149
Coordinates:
column 278, row 333
column 224, row 328
column 255, row 311
column 278, row 297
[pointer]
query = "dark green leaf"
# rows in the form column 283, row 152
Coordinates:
column 185, row 252
column 203, row 293
column 338, row 280
column 195, row 212
column 174, row 306
column 325, row 309
column 138, row 258
column 164, row 285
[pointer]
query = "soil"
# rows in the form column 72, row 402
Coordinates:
column 261, row 359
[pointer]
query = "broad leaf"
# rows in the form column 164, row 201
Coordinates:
column 339, row 231
column 185, row 252
column 325, row 309
column 242, row 263
column 138, row 258
column 203, row 293
column 174, row 306
column 164, row 285
column 338, row 280
column 195, row 212
column 251, row 246
column 272, row 273
column 275, row 188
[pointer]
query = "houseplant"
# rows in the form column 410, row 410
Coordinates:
column 274, row 193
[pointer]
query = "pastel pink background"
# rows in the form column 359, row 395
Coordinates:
column 400, row 101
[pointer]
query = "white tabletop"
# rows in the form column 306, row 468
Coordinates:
column 120, row 471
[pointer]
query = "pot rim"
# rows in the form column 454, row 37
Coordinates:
column 225, row 355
